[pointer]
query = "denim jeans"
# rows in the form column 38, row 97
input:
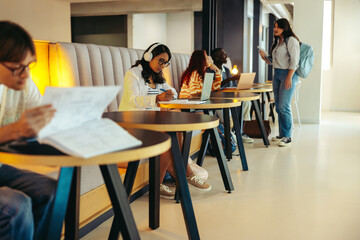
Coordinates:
column 283, row 98
column 26, row 199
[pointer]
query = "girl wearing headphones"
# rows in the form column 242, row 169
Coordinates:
column 143, row 88
column 144, row 81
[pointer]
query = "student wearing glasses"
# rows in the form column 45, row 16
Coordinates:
column 143, row 88
column 144, row 81
column 25, row 197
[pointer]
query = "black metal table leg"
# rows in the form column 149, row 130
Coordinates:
column 60, row 203
column 203, row 148
column 186, row 147
column 119, row 200
column 183, row 189
column 72, row 212
column 263, row 107
column 260, row 123
column 154, row 192
column 220, row 156
column 130, row 175
column 227, row 135
column 239, row 138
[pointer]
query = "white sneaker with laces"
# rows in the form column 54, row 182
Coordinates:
column 166, row 192
column 285, row 141
column 196, row 181
column 246, row 138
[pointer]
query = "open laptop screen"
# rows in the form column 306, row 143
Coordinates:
column 246, row 80
column 206, row 91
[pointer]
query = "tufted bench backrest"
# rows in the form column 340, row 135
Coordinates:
column 75, row 64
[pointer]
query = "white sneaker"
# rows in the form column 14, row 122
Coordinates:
column 195, row 181
column 166, row 192
column 246, row 138
column 285, row 141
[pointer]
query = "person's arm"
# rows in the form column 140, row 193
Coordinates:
column 288, row 81
column 29, row 124
column 293, row 48
column 263, row 57
column 136, row 95
column 229, row 79
column 217, row 82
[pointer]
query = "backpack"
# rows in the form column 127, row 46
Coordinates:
column 306, row 60
column 222, row 138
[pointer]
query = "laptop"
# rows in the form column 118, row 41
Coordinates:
column 246, row 80
column 206, row 91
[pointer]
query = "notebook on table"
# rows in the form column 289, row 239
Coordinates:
column 246, row 80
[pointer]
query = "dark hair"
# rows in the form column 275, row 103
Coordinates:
column 15, row 41
column 284, row 24
column 215, row 52
column 147, row 72
column 197, row 63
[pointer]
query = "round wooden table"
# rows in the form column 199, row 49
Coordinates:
column 153, row 144
column 241, row 96
column 209, row 104
column 245, row 96
column 170, row 122
column 254, row 89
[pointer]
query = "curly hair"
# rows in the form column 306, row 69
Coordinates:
column 147, row 72
column 197, row 63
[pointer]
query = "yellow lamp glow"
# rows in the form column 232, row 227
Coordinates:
column 40, row 74
column 234, row 70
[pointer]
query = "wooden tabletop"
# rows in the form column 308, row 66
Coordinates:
column 241, row 96
column 209, row 104
column 254, row 89
column 154, row 143
column 163, row 120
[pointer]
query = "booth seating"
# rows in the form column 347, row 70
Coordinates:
column 73, row 64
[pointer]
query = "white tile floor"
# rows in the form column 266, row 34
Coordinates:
column 310, row 190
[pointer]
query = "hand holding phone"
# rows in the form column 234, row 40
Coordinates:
column 261, row 49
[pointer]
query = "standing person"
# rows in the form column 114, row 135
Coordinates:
column 192, row 80
column 219, row 57
column 285, row 53
column 25, row 197
column 142, row 90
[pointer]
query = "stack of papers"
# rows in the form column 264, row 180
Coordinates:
column 77, row 127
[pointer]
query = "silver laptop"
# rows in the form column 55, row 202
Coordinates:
column 246, row 80
column 206, row 90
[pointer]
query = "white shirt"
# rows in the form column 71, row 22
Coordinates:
column 135, row 96
column 287, row 54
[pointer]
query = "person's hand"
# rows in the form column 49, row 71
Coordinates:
column 165, row 96
column 34, row 119
column 288, row 83
column 262, row 54
column 215, row 68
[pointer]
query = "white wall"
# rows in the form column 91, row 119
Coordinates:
column 180, row 32
column 44, row 19
column 309, row 30
column 344, row 76
column 172, row 29
column 148, row 29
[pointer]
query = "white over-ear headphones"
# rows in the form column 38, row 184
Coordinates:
column 148, row 56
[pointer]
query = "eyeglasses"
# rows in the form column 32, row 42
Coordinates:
column 20, row 70
column 163, row 63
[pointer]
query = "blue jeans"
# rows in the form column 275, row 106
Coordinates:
column 283, row 98
column 26, row 199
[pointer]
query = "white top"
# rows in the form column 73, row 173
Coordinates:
column 286, row 55
column 33, row 96
column 135, row 96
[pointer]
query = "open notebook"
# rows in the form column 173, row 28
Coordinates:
column 246, row 80
column 77, row 127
